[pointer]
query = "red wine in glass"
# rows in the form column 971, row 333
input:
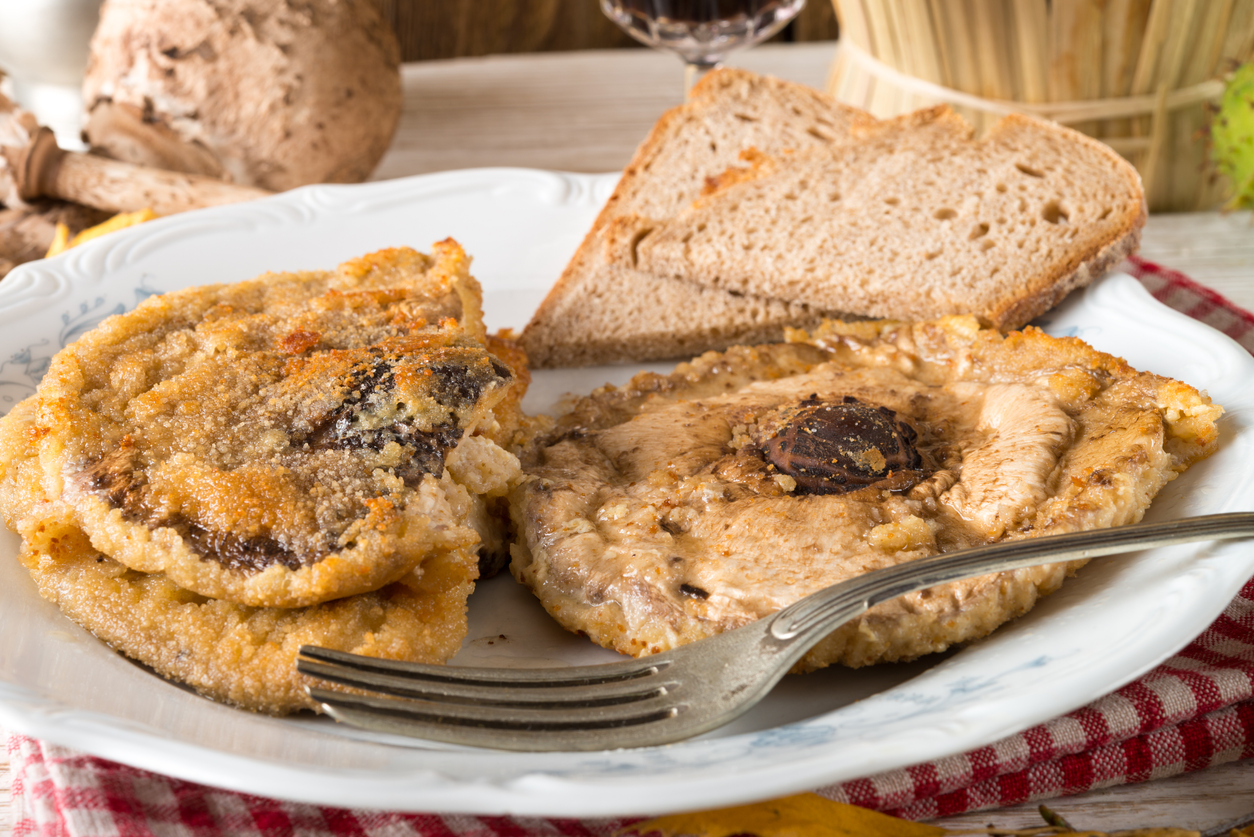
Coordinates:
column 702, row 32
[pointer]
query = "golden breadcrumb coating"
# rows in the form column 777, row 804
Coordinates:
column 277, row 442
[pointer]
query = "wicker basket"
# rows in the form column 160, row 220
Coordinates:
column 1141, row 75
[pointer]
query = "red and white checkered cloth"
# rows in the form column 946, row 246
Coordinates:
column 1194, row 711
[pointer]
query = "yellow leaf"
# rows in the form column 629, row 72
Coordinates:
column 117, row 222
column 803, row 815
column 60, row 241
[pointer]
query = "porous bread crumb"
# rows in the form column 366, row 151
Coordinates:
column 910, row 218
column 599, row 312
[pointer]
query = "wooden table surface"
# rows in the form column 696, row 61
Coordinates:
column 587, row 111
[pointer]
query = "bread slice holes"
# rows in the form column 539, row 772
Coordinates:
column 1054, row 213
column 934, row 254
column 744, row 117
column 1029, row 171
column 1105, row 214
column 987, row 244
column 819, row 135
column 945, row 214
column 978, row 231
column 892, row 201
column 835, row 196
column 639, row 236
column 1001, row 187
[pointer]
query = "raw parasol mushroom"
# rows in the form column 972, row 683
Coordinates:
column 269, row 93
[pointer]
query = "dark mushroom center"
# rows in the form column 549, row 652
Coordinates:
column 832, row 448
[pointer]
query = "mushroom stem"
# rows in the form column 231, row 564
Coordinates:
column 124, row 187
column 33, row 166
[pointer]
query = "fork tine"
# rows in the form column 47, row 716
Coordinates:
column 494, row 677
column 687, row 690
column 574, row 694
column 555, row 728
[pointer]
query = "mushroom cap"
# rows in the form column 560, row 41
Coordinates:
column 269, row 93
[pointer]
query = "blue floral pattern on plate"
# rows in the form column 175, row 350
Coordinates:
column 1102, row 629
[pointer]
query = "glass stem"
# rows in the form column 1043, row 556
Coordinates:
column 694, row 71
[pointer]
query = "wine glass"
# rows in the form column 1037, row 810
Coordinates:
column 701, row 31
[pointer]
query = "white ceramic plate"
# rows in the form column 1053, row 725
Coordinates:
column 1120, row 617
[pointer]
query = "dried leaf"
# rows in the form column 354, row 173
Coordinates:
column 120, row 221
column 1055, row 819
column 60, row 241
column 803, row 815
column 810, row 815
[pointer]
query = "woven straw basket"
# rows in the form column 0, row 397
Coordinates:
column 1140, row 75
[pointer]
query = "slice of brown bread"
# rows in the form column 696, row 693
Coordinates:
column 603, row 313
column 913, row 219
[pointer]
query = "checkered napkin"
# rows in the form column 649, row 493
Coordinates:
column 1194, row 711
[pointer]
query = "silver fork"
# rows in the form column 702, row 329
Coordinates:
column 686, row 691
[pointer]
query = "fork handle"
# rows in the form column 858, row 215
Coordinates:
column 812, row 618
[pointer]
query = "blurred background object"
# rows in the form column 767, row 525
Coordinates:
column 268, row 93
column 701, row 32
column 1141, row 75
column 1232, row 137
column 222, row 88
column 43, row 49
column 430, row 29
column 33, row 166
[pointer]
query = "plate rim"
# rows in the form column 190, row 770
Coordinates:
column 24, row 711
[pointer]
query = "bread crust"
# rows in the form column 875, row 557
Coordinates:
column 582, row 322
column 921, row 221
column 1049, row 290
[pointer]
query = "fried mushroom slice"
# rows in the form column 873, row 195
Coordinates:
column 237, row 654
column 681, row 506
column 278, row 442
